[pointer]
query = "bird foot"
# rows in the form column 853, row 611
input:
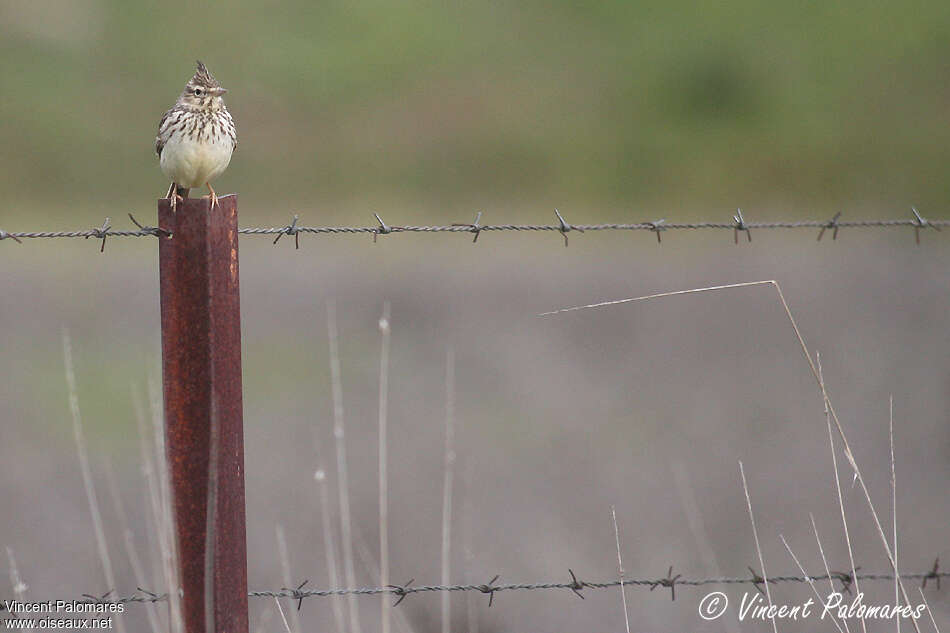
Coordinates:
column 174, row 197
column 212, row 195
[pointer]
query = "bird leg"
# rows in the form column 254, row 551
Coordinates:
column 212, row 195
column 176, row 193
column 172, row 195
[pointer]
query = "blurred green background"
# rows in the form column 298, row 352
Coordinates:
column 612, row 109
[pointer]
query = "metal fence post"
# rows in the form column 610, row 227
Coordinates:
column 201, row 375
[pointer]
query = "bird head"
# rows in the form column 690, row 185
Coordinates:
column 203, row 92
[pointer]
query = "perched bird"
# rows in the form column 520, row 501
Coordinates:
column 196, row 137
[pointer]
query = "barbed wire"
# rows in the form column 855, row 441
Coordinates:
column 576, row 585
column 737, row 226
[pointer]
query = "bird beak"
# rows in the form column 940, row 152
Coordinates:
column 219, row 91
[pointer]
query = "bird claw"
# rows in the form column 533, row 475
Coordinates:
column 173, row 197
column 173, row 201
column 212, row 195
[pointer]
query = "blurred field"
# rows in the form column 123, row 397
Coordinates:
column 614, row 108
column 427, row 112
column 558, row 418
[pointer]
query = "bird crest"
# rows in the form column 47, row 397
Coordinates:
column 204, row 78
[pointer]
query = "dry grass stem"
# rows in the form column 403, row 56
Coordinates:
column 155, row 535
column 844, row 516
column 346, row 531
column 697, row 529
column 166, row 526
column 811, row 583
column 929, row 611
column 385, row 603
column 758, row 548
column 285, row 571
column 372, row 568
column 693, row 516
column 16, row 583
column 831, row 582
column 282, row 616
column 623, row 589
column 468, row 549
column 449, row 467
column 137, row 568
column 660, row 295
column 329, row 547
column 897, row 595
column 91, row 497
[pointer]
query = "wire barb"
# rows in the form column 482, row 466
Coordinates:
column 669, row 581
column 4, row 235
column 291, row 229
column 473, row 227
column 151, row 594
column 297, row 594
column 934, row 573
column 382, row 229
column 833, row 225
column 101, row 233
column 150, row 230
column 564, row 227
column 846, row 578
column 657, row 227
column 400, row 590
column 757, row 580
column 98, row 599
column 576, row 585
column 921, row 222
column 740, row 225
column 490, row 589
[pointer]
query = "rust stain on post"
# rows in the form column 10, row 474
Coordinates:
column 201, row 373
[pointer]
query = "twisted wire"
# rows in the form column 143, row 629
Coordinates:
column 562, row 226
column 575, row 585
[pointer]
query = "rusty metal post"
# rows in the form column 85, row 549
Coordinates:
column 201, row 375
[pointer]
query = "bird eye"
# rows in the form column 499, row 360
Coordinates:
column 198, row 92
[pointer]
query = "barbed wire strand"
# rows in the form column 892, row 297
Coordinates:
column 670, row 581
column 738, row 225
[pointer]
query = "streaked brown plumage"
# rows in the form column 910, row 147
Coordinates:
column 196, row 136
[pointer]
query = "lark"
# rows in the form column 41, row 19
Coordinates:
column 196, row 137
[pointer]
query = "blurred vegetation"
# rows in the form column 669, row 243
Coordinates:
column 614, row 109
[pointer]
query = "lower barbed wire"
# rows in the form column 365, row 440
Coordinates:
column 144, row 596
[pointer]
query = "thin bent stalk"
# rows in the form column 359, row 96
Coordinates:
column 821, row 386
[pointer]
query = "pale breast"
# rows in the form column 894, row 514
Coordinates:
column 196, row 153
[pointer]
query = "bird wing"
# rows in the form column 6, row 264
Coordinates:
column 162, row 136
